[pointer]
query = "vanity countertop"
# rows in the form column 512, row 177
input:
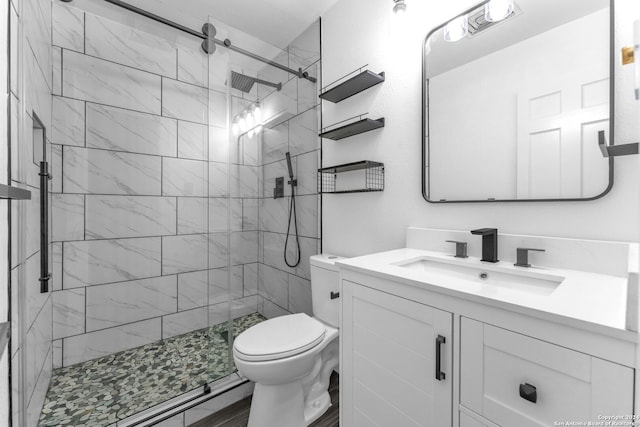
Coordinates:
column 586, row 300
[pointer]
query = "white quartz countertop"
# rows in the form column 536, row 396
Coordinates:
column 583, row 299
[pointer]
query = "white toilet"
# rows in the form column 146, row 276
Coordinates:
column 290, row 358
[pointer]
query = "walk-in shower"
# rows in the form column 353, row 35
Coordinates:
column 166, row 241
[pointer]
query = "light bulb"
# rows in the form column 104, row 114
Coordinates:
column 242, row 123
column 235, row 129
column 257, row 114
column 497, row 10
column 400, row 7
column 251, row 133
column 250, row 121
column 456, row 29
column 259, row 129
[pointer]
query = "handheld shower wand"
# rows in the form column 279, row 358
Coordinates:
column 292, row 210
column 289, row 165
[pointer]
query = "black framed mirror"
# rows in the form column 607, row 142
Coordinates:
column 515, row 94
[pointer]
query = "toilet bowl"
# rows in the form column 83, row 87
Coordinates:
column 291, row 358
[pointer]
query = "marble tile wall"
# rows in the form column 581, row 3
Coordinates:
column 139, row 244
column 139, row 156
column 281, row 289
column 138, row 151
column 30, row 87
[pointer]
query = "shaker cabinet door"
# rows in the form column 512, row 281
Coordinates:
column 396, row 366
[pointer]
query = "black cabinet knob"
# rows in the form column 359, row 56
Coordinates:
column 528, row 392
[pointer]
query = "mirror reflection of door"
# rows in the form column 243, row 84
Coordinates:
column 558, row 154
column 513, row 111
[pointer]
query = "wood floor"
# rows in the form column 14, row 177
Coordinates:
column 237, row 415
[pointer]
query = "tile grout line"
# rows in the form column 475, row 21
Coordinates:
column 147, row 113
column 140, row 70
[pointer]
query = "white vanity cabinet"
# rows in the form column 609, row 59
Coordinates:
column 504, row 370
column 514, row 380
column 538, row 346
column 392, row 350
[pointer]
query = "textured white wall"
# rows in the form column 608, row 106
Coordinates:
column 358, row 32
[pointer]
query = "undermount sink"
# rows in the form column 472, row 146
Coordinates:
column 490, row 276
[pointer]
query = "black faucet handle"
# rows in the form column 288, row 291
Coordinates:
column 522, row 256
column 485, row 231
column 461, row 248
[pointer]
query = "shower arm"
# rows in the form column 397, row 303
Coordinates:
column 226, row 42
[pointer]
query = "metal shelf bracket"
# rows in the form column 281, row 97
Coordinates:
column 616, row 150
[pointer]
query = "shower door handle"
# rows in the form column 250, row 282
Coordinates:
column 440, row 376
column 45, row 276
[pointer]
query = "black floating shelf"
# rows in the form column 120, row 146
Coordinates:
column 13, row 193
column 371, row 180
column 355, row 128
column 355, row 84
column 348, row 167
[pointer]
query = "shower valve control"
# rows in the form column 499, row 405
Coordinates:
column 278, row 191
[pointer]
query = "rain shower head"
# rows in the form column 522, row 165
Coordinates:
column 245, row 83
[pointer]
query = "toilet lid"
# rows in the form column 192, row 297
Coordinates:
column 279, row 337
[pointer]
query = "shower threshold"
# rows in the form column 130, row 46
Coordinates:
column 114, row 388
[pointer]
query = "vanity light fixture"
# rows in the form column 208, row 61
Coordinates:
column 249, row 121
column 497, row 10
column 456, row 29
column 399, row 7
column 257, row 113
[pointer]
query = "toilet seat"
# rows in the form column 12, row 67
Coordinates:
column 279, row 338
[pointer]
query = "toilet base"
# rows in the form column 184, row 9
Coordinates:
column 314, row 410
column 277, row 406
column 283, row 406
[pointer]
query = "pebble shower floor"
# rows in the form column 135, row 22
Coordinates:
column 102, row 391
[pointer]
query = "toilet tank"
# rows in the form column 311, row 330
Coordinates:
column 325, row 280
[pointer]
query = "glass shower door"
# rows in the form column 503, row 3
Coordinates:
column 130, row 160
column 238, row 85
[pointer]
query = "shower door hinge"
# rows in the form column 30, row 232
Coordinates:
column 206, row 389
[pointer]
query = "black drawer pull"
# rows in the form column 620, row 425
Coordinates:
column 440, row 376
column 528, row 392
column 335, row 295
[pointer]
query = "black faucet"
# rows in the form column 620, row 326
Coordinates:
column 489, row 243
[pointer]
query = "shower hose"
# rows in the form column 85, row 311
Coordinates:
column 292, row 212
